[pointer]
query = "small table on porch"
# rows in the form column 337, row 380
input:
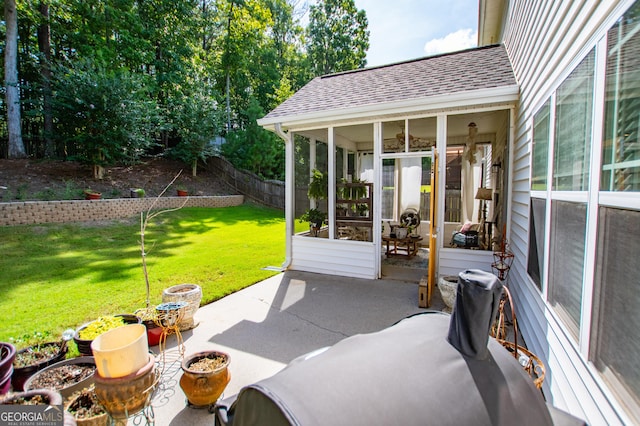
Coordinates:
column 402, row 246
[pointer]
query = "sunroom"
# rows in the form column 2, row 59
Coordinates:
column 399, row 158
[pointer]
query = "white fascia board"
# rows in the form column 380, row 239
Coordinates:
column 503, row 94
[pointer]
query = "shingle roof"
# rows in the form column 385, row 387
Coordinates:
column 472, row 69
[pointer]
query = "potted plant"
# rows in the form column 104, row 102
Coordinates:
column 149, row 314
column 182, row 191
column 137, row 193
column 36, row 354
column 86, row 333
column 204, row 378
column 7, row 354
column 316, row 219
column 65, row 376
column 90, row 194
column 190, row 293
column 86, row 409
column 123, row 397
column 318, row 186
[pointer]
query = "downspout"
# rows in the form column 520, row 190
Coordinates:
column 288, row 193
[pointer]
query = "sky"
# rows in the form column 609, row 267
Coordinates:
column 400, row 30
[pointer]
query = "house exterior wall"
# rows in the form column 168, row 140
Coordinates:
column 545, row 41
column 334, row 257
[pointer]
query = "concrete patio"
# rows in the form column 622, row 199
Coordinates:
column 265, row 326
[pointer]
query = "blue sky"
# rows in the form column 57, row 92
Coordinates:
column 407, row 29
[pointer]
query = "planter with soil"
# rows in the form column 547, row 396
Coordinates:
column 123, row 397
column 190, row 293
column 30, row 360
column 205, row 376
column 34, row 397
column 85, row 408
column 7, row 355
column 65, row 377
column 86, row 333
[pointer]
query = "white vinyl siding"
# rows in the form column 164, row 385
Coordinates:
column 546, row 41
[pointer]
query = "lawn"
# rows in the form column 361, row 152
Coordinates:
column 58, row 276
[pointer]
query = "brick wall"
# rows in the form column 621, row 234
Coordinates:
column 30, row 212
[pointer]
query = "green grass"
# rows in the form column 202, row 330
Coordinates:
column 58, row 276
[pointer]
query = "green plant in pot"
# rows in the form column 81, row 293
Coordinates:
column 318, row 186
column 35, row 352
column 316, row 219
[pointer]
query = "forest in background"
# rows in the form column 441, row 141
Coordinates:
column 108, row 82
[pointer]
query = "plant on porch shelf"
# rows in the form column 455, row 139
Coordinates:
column 316, row 219
column 318, row 186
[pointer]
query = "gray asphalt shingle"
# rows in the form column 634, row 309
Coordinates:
column 472, row 69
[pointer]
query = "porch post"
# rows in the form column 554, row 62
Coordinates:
column 312, row 165
column 331, row 202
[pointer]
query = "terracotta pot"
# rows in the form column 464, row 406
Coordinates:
column 190, row 293
column 182, row 193
column 92, row 195
column 84, row 345
column 7, row 354
column 204, row 388
column 97, row 420
column 125, row 396
column 21, row 374
column 69, row 389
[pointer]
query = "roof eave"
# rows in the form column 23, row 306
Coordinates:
column 491, row 14
column 503, row 94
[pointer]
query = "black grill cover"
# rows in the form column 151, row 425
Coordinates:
column 407, row 374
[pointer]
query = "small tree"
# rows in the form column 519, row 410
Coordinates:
column 103, row 116
column 197, row 120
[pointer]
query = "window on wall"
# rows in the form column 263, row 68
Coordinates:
column 535, row 265
column 566, row 261
column 574, row 106
column 621, row 142
column 540, row 158
column 615, row 341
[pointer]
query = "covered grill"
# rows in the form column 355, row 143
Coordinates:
column 430, row 368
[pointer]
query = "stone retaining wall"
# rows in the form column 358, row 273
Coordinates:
column 30, row 212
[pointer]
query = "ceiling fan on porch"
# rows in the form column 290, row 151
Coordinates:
column 397, row 143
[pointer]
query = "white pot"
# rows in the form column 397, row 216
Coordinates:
column 448, row 286
column 190, row 293
column 401, row 233
column 121, row 351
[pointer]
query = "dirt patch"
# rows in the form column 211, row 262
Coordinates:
column 29, row 180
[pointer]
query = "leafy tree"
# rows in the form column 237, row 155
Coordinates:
column 105, row 115
column 197, row 121
column 338, row 38
column 254, row 148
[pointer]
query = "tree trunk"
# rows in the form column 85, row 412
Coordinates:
column 44, row 44
column 16, row 146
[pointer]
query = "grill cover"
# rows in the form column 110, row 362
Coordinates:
column 407, row 374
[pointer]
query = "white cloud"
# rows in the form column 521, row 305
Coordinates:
column 461, row 39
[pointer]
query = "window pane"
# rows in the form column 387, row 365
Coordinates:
column 621, row 147
column 536, row 240
column 573, row 128
column 566, row 262
column 615, row 341
column 540, row 149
